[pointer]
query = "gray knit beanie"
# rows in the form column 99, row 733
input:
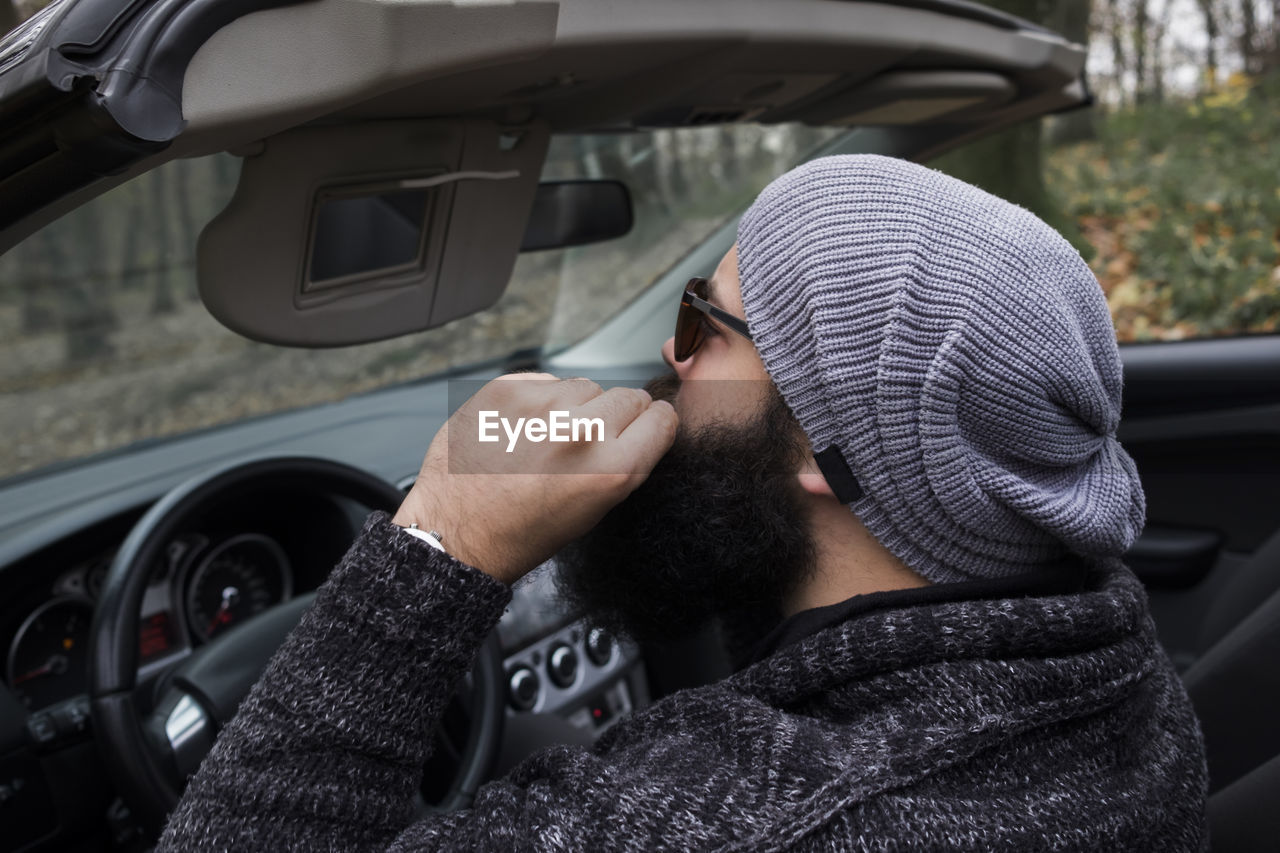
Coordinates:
column 955, row 353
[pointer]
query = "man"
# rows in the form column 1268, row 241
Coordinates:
column 962, row 661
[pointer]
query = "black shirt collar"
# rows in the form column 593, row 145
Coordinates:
column 1062, row 581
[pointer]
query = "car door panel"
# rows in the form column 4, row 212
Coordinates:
column 1202, row 422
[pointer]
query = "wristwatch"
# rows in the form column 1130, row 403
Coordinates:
column 431, row 537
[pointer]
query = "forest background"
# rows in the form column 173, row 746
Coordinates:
column 1170, row 185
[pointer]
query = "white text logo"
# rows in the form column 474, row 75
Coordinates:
column 558, row 427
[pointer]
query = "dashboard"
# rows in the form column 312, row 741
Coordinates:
column 235, row 562
column 206, row 585
column 560, row 665
column 565, row 682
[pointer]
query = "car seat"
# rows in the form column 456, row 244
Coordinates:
column 1235, row 688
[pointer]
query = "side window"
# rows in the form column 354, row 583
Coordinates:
column 1174, row 202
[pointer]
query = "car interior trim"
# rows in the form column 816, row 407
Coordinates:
column 101, row 89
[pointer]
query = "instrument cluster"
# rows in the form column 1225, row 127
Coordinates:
column 203, row 586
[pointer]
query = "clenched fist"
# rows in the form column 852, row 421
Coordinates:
column 530, row 463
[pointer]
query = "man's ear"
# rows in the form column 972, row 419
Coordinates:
column 812, row 480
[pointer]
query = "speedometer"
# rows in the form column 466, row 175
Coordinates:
column 239, row 578
column 47, row 661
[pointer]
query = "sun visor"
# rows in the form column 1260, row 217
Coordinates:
column 348, row 234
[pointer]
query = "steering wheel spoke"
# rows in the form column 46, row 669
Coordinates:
column 182, row 733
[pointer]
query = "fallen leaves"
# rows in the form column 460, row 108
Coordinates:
column 1181, row 205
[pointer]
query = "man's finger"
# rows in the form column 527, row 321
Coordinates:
column 509, row 389
column 549, row 390
column 506, row 377
column 577, row 391
column 648, row 437
column 618, row 407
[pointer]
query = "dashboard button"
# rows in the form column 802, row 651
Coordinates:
column 523, row 689
column 42, row 728
column 599, row 646
column 562, row 665
column 71, row 717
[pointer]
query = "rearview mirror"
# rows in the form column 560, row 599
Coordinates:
column 575, row 213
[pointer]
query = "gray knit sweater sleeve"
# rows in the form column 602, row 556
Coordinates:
column 327, row 750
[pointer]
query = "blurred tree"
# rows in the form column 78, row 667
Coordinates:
column 1271, row 54
column 185, row 198
column 670, row 181
column 1114, row 24
column 133, row 209
column 1158, row 33
column 34, row 273
column 162, row 301
column 727, row 150
column 589, row 158
column 638, row 157
column 1210, row 15
column 1248, row 37
column 1140, row 28
column 84, row 289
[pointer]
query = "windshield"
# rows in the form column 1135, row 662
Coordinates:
column 105, row 342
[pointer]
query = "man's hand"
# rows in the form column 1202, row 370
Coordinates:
column 507, row 512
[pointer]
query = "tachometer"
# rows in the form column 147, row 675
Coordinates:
column 48, row 657
column 240, row 577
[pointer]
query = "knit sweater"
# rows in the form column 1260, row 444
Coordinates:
column 1052, row 722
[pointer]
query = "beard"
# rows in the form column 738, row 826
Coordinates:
column 717, row 529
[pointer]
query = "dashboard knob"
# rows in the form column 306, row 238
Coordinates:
column 523, row 688
column 562, row 665
column 599, row 646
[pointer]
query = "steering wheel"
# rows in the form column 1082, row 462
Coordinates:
column 150, row 751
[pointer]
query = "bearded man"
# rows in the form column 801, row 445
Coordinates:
column 890, row 436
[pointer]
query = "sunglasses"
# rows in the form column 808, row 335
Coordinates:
column 692, row 323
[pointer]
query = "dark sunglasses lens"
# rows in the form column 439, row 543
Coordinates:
column 688, row 323
column 688, row 332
